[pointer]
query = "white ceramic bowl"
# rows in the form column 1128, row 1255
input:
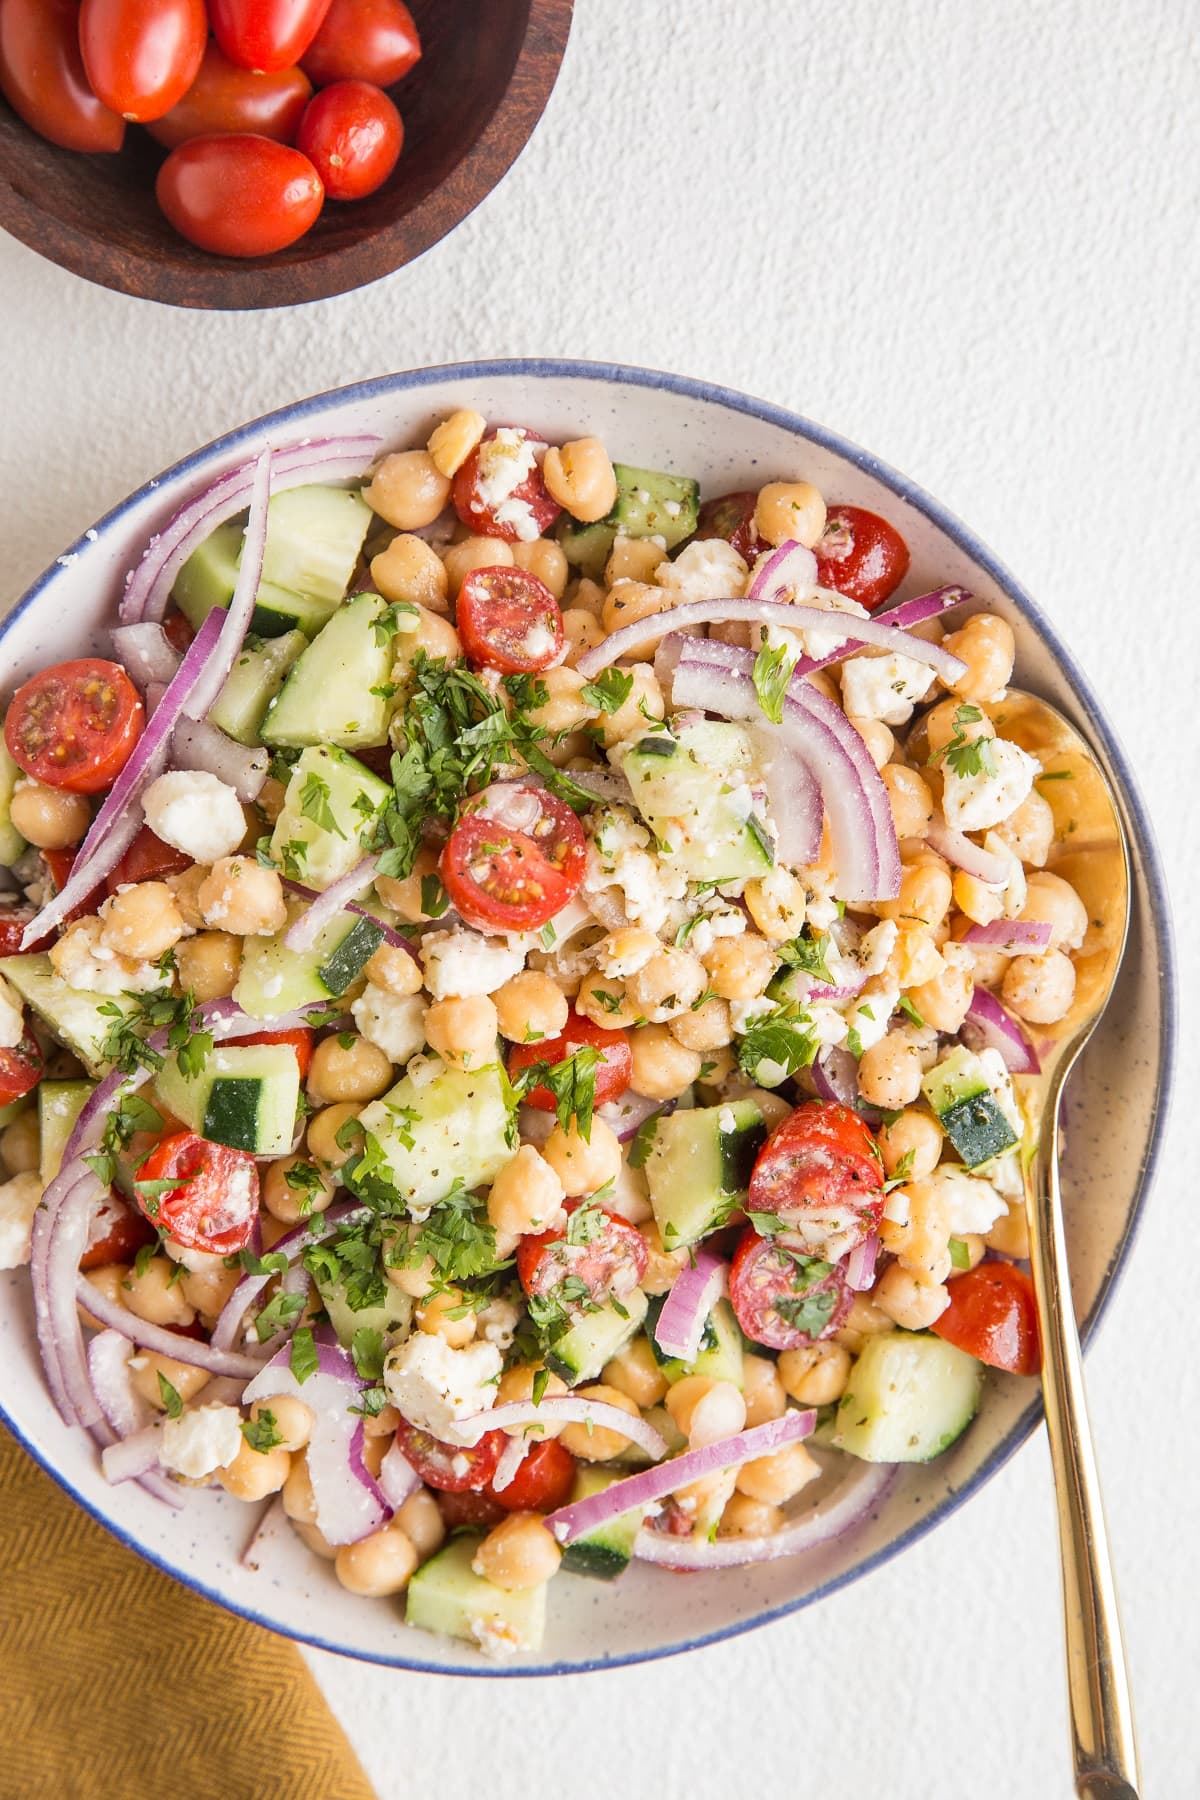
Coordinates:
column 1116, row 1105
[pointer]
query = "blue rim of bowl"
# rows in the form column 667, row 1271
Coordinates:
column 1137, row 822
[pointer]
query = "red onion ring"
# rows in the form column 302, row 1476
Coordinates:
column 860, row 1264
column 958, row 849
column 1016, row 937
column 847, row 1509
column 235, row 622
column 988, row 1026
column 199, row 745
column 304, row 932
column 564, row 1409
column 698, row 1286
column 146, row 652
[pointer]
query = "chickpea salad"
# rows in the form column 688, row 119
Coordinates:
column 517, row 987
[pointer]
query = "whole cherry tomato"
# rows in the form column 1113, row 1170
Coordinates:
column 363, row 40
column 265, row 35
column 821, row 1174
column 861, row 555
column 784, row 1299
column 611, row 1075
column 508, row 619
column 239, row 195
column 352, row 135
column 993, row 1315
column 543, row 1480
column 42, row 76
column 75, row 724
column 224, row 97
column 214, row 1208
column 141, row 56
column 147, row 859
column 514, row 859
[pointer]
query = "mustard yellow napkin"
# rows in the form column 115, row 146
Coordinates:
column 118, row 1683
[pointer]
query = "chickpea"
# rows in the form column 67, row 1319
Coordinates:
column 435, row 1317
column 49, row 818
column 517, row 1384
column 763, row 1390
column 294, row 1188
column 21, row 1144
column 704, row 1027
column 382, row 1424
column 1052, row 901
column 744, row 1517
column 717, row 1068
column 913, row 1141
column 790, row 509
column 633, row 559
column 475, row 553
column 915, row 957
column 463, row 1030
column 978, row 900
column 1010, row 1233
column 1029, row 831
column 312, row 1540
column 910, row 799
column 943, row 1002
column 739, row 968
column 987, row 645
column 146, row 1367
column 976, row 1249
column 414, row 1279
column 910, row 1297
column 347, row 1067
column 209, row 964
column 815, row 1375
column 141, row 922
column 409, row 570
column 594, row 1442
column 581, row 633
column 530, row 1007
column 428, row 631
column 644, row 702
column 109, row 1280
column 253, row 1474
column 155, row 1293
column 773, row 1107
column 404, row 896
column 926, row 890
column 293, row 1420
column 545, row 559
column 297, row 1493
column 878, row 739
column 580, row 1165
column 377, row 1565
column 454, row 439
column 1040, row 989
column 663, row 1265
column 635, row 1371
column 627, row 603
column 518, row 1553
column 669, row 983
column 394, row 970
column 864, row 1320
column 271, row 796
column 408, row 490
column 705, row 1410
column 322, row 1134
column 580, row 477
column 420, row 1519
column 209, row 1287
column 186, row 889
column 526, row 1194
column 663, row 1068
column 564, row 708
column 585, row 595
column 945, row 722
column 777, row 904
column 889, row 1072
column 239, row 895
column 779, row 1476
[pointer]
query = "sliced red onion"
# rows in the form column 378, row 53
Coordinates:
column 303, row 934
column 397, row 1477
column 349, row 1501
column 860, row 1264
column 391, row 936
column 108, row 1357
column 790, row 569
column 131, row 1457
column 290, row 1246
column 605, row 784
column 146, row 652
column 155, row 1483
column 534, row 1124
column 565, row 1409
column 582, row 1516
column 60, row 1235
column 696, row 1290
column 236, row 619
column 626, row 1114
column 511, row 1458
column 904, row 616
column 199, row 745
column 793, row 800
column 988, row 1026
column 958, row 849
column 848, row 1507
column 148, row 586
column 159, row 1338
column 1016, row 937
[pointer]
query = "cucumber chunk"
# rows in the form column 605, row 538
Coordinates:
column 440, row 1133
column 392, row 1316
column 331, row 786
column 586, row 547
column 698, row 1168
column 314, row 539
column 720, row 1356
column 651, row 504
column 581, row 1353
column 910, row 1396
column 336, row 693
column 12, row 844
column 207, row 580
column 274, row 979
column 244, row 1096
column 607, row 1551
column 78, row 1019
column 692, row 790
column 253, row 682
column 59, row 1105
column 960, row 1094
column 445, row 1595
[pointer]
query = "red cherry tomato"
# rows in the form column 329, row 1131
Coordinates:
column 861, row 555
column 820, row 1171
column 612, row 1075
column 59, row 864
column 13, row 920
column 449, row 1467
column 468, row 1509
column 731, row 516
column 993, row 1315
column 782, row 1299
column 141, row 56
column 117, row 1233
column 475, row 503
column 147, row 859
column 363, row 40
column 239, row 195
column 74, row 725
column 224, row 97
column 179, row 633
column 301, row 1041
column 20, row 1069
column 514, row 859
column 42, row 76
column 215, row 1206
column 610, row 1258
column 542, row 1482
column 352, row 135
column 266, row 35
column 509, row 620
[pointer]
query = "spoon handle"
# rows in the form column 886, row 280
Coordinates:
column 1102, row 1728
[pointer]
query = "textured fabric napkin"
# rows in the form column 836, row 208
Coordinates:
column 118, row 1683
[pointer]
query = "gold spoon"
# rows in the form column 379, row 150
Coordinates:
column 1091, row 852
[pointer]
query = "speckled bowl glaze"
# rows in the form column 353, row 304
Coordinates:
column 729, row 441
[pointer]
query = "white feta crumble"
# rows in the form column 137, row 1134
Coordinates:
column 648, row 885
column 709, row 569
column 726, row 1120
column 461, row 963
column 829, row 1025
column 1000, row 1082
column 506, row 462
column 19, row 1199
column 394, row 1024
column 1013, row 890
column 434, row 1386
column 196, row 1261
column 12, row 1016
column 744, row 1014
column 975, row 802
column 495, row 1637
column 869, row 1016
column 90, row 967
column 200, row 1441
column 196, row 813
column 884, row 687
column 496, row 1323
column 971, row 1205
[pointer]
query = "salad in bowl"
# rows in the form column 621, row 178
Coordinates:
column 516, row 993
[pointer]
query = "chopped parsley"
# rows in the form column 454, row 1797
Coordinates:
column 262, row 1434
column 434, row 898
column 809, row 1307
column 904, row 1169
column 366, row 1347
column 170, row 1397
column 968, row 756
column 277, row 1315
column 609, row 692
column 808, row 954
column 302, row 1355
column 643, row 1140
column 784, row 1038
column 572, row 1082
column 305, row 1179
column 124, row 1043
column 772, row 675
column 910, row 1012
column 387, row 623
column 314, row 804
column 458, row 1238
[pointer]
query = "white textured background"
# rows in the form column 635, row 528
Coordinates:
column 964, row 236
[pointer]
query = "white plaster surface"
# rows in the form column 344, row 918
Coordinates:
column 965, row 236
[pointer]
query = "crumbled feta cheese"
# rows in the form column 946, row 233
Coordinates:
column 629, row 1195
column 975, row 802
column 506, row 462
column 395, row 1024
column 726, row 1120
column 201, row 1441
column 12, row 1016
column 648, row 885
column 1000, row 1082
column 869, row 1015
column 1015, row 887
column 815, row 641
column 197, row 1261
column 709, row 569
column 434, row 1386
column 875, row 948
column 743, row 1014
column 89, row 966
column 496, row 1323
column 195, row 813
column 460, row 963
column 828, row 1023
column 18, row 1203
column 884, row 687
column 970, row 1204
column 495, row 1637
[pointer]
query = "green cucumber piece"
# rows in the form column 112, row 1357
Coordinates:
column 274, row 979
column 685, row 788
column 698, row 1168
column 607, row 1551
column 910, row 1396
column 314, row 540
column 59, row 1105
column 392, row 1316
column 304, row 847
column 245, row 1096
column 78, row 1019
column 581, row 1353
column 720, row 1356
column 337, row 691
column 12, row 844
column 958, row 1090
column 440, row 1132
column 652, row 504
column 446, row 1596
column 253, row 682
column 207, row 580
column 586, row 547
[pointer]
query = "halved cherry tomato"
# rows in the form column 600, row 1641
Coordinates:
column 449, row 1467
column 179, row 633
column 265, row 35
column 147, row 859
column 820, row 1172
column 543, row 1480
column 861, row 556
column 13, row 920
column 514, row 859
column 612, row 1075
column 301, row 1041
column 353, row 136
column 59, row 863
column 117, row 1233
column 141, row 56
column 993, row 1315
column 363, row 40
column 482, row 514
column 75, row 724
column 238, row 194
column 224, row 97
column 731, row 516
column 469, row 1508
column 214, row 1207
column 509, row 620
column 783, row 1299
column 20, row 1069
column 609, row 1259
column 42, row 76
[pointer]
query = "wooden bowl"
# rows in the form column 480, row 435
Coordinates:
column 469, row 107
